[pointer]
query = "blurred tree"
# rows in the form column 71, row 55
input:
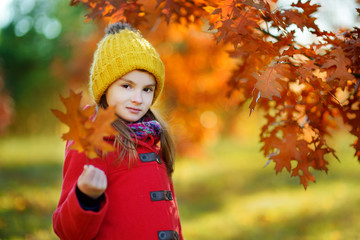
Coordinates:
column 30, row 45
column 5, row 108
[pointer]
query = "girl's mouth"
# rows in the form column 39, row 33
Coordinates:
column 133, row 110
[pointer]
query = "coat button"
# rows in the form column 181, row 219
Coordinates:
column 161, row 195
column 154, row 195
column 168, row 235
column 162, row 235
column 149, row 157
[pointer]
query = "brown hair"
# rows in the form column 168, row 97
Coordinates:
column 128, row 145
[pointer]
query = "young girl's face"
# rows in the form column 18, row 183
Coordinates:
column 132, row 95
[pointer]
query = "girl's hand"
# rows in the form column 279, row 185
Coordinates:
column 92, row 181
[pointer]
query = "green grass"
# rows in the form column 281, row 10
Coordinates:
column 30, row 180
column 225, row 194
column 231, row 195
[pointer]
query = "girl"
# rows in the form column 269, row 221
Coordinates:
column 126, row 194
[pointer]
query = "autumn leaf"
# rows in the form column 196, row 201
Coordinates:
column 268, row 83
column 224, row 29
column 307, row 7
column 337, row 67
column 287, row 147
column 229, row 9
column 304, row 162
column 76, row 120
column 102, row 126
column 302, row 171
column 352, row 116
column 86, row 129
column 304, row 19
column 261, row 5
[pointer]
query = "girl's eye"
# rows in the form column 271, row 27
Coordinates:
column 125, row 86
column 148, row 90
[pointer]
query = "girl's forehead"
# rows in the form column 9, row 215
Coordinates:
column 139, row 77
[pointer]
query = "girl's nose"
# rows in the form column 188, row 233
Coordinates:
column 137, row 97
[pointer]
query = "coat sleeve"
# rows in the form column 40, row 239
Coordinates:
column 70, row 220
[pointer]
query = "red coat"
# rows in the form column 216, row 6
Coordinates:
column 139, row 201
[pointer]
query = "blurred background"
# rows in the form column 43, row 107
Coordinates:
column 223, row 187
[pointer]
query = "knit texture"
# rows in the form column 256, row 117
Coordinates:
column 120, row 53
column 145, row 128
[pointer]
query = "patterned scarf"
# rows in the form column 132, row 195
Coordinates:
column 145, row 128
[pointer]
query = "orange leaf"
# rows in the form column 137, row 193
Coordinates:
column 102, row 127
column 268, row 83
column 75, row 119
column 87, row 133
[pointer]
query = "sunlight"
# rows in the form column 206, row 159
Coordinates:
column 7, row 13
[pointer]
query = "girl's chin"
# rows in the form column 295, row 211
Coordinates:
column 128, row 119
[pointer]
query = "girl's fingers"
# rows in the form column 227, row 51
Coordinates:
column 95, row 177
column 86, row 167
column 100, row 179
column 92, row 181
column 103, row 181
column 89, row 173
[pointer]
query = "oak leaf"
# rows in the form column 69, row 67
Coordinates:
column 268, row 83
column 337, row 67
column 102, row 126
column 302, row 170
column 304, row 19
column 87, row 128
column 304, row 162
column 76, row 120
column 287, row 147
column 307, row 7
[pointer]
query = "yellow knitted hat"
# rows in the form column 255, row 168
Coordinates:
column 119, row 53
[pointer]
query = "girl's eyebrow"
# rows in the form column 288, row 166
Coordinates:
column 151, row 85
column 129, row 81
column 126, row 80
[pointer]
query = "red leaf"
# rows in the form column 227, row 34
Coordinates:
column 268, row 83
column 307, row 7
column 337, row 67
column 261, row 5
column 224, row 30
column 302, row 171
column 287, row 147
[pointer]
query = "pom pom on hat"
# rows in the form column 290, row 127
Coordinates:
column 122, row 50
